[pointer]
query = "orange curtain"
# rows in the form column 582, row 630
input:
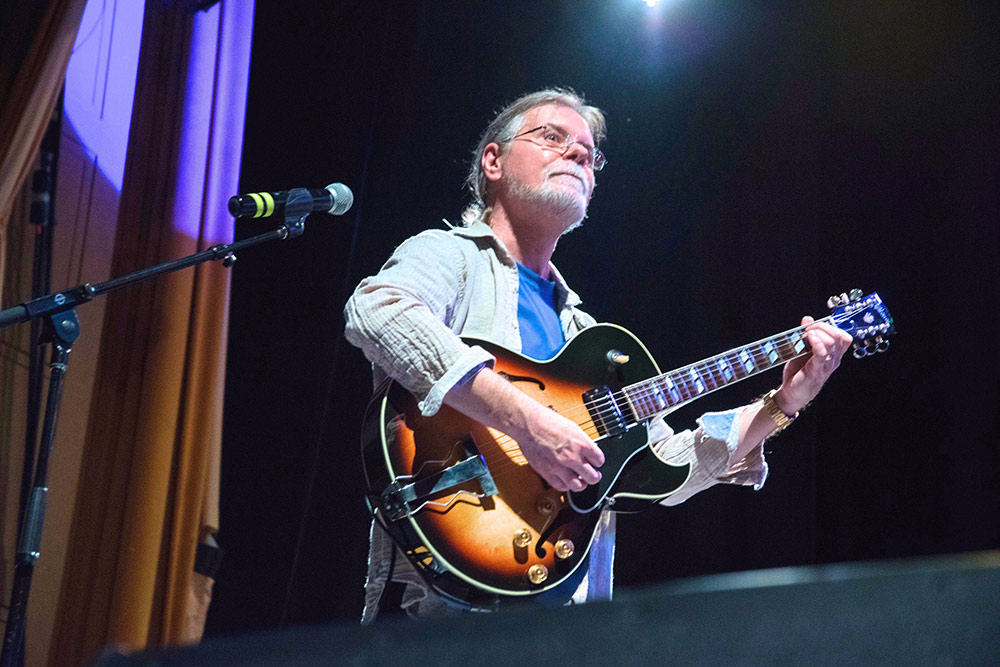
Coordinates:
column 149, row 482
column 37, row 41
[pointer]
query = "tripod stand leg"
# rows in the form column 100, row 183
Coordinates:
column 62, row 329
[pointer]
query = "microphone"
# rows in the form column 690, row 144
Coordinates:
column 335, row 199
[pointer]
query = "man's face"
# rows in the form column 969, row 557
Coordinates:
column 537, row 173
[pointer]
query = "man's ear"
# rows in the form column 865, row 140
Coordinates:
column 492, row 162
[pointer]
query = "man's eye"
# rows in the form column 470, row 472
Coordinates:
column 554, row 137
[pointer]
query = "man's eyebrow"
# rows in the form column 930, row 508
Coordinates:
column 565, row 131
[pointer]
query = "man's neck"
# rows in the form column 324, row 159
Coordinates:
column 529, row 237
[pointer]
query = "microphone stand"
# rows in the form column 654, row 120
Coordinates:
column 60, row 326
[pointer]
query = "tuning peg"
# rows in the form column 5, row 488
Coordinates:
column 859, row 352
column 855, row 295
column 836, row 301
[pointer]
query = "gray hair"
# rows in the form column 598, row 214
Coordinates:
column 505, row 125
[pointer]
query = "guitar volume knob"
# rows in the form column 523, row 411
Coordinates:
column 564, row 549
column 522, row 538
column 537, row 574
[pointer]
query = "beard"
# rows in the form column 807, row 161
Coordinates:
column 557, row 201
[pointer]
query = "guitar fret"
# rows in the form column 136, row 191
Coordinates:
column 712, row 366
column 672, row 391
column 725, row 368
column 705, row 373
column 632, row 406
column 653, row 400
column 682, row 385
column 651, row 404
column 676, row 392
column 696, row 382
column 656, row 395
column 786, row 347
column 771, row 351
column 798, row 343
column 641, row 398
column 760, row 357
column 656, row 398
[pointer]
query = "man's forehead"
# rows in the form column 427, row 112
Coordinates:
column 560, row 116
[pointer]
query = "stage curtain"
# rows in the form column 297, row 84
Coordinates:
column 37, row 41
column 149, row 482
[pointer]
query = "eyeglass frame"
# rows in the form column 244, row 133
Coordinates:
column 599, row 161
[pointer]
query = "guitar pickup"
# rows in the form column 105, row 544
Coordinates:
column 398, row 499
column 604, row 411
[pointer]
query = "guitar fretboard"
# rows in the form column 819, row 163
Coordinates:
column 655, row 396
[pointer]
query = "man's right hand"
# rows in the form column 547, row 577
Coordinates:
column 556, row 448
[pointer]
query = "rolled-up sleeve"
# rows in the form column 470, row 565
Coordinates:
column 710, row 449
column 398, row 319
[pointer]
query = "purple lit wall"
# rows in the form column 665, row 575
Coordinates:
column 100, row 89
column 208, row 166
column 100, row 82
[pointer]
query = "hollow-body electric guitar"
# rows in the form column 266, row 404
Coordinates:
column 479, row 523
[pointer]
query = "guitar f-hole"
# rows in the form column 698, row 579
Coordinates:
column 521, row 378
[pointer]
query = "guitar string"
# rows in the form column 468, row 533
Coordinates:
column 648, row 388
column 653, row 388
column 640, row 395
column 499, row 462
column 654, row 396
column 707, row 372
column 646, row 392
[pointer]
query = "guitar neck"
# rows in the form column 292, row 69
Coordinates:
column 669, row 391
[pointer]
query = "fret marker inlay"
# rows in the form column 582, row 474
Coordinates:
column 674, row 394
column 798, row 343
column 696, row 379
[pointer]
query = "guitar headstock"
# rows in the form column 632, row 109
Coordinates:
column 865, row 318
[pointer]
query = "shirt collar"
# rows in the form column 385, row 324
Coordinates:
column 481, row 230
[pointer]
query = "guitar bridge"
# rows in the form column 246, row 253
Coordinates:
column 604, row 411
column 398, row 500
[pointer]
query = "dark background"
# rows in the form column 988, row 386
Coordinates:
column 761, row 157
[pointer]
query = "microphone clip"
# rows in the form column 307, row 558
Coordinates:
column 298, row 205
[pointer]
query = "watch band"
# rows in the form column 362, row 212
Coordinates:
column 780, row 419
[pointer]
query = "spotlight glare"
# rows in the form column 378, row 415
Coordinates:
column 651, row 3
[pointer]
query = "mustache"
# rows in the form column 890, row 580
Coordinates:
column 570, row 168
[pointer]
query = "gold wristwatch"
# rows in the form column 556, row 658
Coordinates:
column 780, row 419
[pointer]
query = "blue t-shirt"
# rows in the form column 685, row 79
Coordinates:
column 541, row 337
column 541, row 333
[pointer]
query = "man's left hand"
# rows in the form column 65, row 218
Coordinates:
column 802, row 378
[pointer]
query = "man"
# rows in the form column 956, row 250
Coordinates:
column 531, row 179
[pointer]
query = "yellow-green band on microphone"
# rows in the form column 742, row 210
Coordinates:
column 258, row 203
column 264, row 203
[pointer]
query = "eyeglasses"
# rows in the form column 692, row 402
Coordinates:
column 560, row 140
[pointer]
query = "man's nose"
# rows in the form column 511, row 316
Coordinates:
column 579, row 153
